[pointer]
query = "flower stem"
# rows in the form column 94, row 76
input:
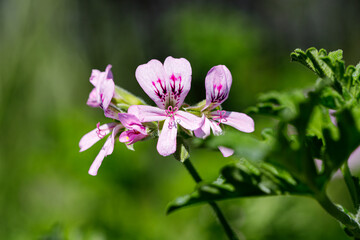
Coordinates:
column 195, row 175
column 350, row 184
column 350, row 223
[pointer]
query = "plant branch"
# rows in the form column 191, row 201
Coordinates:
column 350, row 223
column 350, row 184
column 195, row 175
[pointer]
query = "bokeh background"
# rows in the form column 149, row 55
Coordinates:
column 47, row 51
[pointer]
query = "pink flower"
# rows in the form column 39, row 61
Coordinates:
column 218, row 83
column 104, row 88
column 167, row 85
column 135, row 130
column 94, row 136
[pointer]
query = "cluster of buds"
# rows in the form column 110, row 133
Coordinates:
column 167, row 85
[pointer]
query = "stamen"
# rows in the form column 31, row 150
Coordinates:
column 221, row 118
column 173, row 123
column 170, row 112
column 98, row 131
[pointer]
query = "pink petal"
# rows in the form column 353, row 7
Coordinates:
column 99, row 158
column 107, row 89
column 240, row 121
column 106, row 150
column 137, row 138
column 108, row 72
column 167, row 140
column 226, row 152
column 128, row 119
column 215, row 127
column 104, row 87
column 95, row 77
column 188, row 120
column 132, row 123
column 353, row 162
column 139, row 128
column 95, row 135
column 147, row 113
column 131, row 137
column 319, row 165
column 111, row 112
column 217, row 84
column 124, row 137
column 151, row 77
column 92, row 100
column 178, row 72
column 204, row 130
column 332, row 117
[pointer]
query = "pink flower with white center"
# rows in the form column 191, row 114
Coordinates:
column 94, row 136
column 218, row 83
column 135, row 130
column 104, row 88
column 167, row 85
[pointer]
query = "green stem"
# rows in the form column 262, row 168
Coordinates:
column 339, row 214
column 195, row 175
column 350, row 184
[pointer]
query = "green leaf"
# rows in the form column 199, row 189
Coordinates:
column 339, row 150
column 356, row 74
column 300, row 56
column 313, row 59
column 335, row 63
column 277, row 104
column 244, row 144
column 345, row 81
column 331, row 98
column 315, row 144
column 283, row 162
column 243, row 179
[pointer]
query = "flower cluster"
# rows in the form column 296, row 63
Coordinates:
column 167, row 85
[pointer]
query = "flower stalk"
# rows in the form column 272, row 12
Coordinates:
column 167, row 84
column 335, row 211
column 350, row 184
column 195, row 175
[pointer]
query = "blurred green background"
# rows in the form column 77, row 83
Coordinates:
column 47, row 51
